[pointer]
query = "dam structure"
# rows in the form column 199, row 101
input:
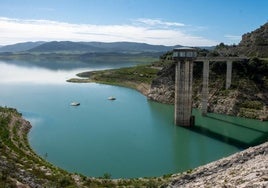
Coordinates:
column 205, row 89
column 184, row 58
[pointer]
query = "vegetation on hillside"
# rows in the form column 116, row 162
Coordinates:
column 129, row 77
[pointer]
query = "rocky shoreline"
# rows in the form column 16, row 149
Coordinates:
column 248, row 168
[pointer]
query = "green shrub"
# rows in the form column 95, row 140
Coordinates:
column 107, row 176
column 257, row 105
column 167, row 176
column 64, row 181
column 151, row 184
column 248, row 113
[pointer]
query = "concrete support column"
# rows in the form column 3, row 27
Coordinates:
column 183, row 93
column 204, row 99
column 228, row 74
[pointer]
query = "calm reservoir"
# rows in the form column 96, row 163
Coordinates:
column 128, row 137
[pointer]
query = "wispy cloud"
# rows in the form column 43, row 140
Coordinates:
column 151, row 31
column 158, row 22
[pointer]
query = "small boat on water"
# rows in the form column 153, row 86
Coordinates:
column 75, row 104
column 111, row 98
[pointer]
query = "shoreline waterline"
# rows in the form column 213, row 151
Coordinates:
column 79, row 180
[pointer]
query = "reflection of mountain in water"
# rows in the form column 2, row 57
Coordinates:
column 68, row 64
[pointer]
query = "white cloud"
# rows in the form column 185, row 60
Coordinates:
column 158, row 22
column 151, row 31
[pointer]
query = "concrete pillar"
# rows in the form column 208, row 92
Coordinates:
column 228, row 74
column 183, row 93
column 204, row 99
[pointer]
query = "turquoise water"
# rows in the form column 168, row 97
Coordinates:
column 128, row 137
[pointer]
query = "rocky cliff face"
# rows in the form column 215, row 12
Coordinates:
column 163, row 87
column 255, row 43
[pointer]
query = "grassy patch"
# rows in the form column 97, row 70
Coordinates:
column 127, row 77
column 138, row 74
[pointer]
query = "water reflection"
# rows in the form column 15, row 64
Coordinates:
column 49, row 72
column 239, row 132
column 11, row 73
column 59, row 64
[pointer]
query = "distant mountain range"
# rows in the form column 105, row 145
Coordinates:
column 84, row 47
column 20, row 46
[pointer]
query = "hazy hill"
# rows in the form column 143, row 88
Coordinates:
column 123, row 47
column 64, row 46
column 85, row 47
column 130, row 47
column 20, row 46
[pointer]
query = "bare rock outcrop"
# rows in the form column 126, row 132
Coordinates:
column 255, row 43
column 248, row 168
column 163, row 87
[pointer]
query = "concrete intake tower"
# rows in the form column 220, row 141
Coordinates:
column 184, row 58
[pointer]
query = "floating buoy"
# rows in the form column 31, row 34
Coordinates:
column 75, row 104
column 111, row 98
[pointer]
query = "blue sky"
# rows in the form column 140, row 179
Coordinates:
column 167, row 22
